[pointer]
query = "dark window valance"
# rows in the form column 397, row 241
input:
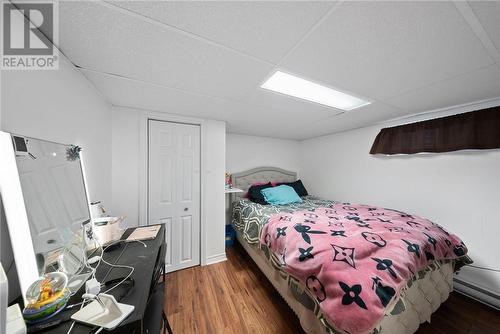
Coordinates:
column 472, row 130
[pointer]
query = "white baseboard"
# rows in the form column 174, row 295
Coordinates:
column 216, row 258
column 481, row 295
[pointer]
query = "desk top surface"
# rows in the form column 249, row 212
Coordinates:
column 133, row 254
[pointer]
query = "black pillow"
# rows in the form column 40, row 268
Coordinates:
column 297, row 186
column 256, row 196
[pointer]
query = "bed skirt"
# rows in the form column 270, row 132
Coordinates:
column 421, row 299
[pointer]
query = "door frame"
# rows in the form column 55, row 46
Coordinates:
column 144, row 168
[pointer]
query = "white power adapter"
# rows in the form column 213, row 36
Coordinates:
column 92, row 286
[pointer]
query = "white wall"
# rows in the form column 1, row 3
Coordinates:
column 125, row 165
column 246, row 152
column 128, row 183
column 459, row 190
column 215, row 164
column 60, row 106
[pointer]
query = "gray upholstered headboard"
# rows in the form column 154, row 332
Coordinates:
column 245, row 179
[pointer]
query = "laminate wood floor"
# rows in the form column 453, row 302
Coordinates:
column 235, row 297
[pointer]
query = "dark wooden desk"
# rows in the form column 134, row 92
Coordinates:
column 149, row 264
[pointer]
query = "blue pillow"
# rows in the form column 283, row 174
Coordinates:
column 281, row 195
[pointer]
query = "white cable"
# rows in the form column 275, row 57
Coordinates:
column 100, row 257
column 73, row 305
column 86, row 263
column 94, row 269
column 139, row 241
column 118, row 265
column 73, row 323
column 85, row 248
column 71, row 327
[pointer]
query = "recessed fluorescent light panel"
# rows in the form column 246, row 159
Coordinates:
column 304, row 89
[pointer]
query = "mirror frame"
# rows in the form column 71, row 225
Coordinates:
column 16, row 214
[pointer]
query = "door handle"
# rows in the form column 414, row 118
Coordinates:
column 185, row 209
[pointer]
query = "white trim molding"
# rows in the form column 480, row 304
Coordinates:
column 216, row 258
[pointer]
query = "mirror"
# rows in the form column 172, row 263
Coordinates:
column 54, row 194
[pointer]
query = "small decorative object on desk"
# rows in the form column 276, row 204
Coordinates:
column 46, row 297
column 229, row 182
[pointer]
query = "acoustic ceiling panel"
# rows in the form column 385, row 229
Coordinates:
column 208, row 59
column 241, row 118
column 482, row 84
column 98, row 37
column 383, row 49
column 488, row 13
column 263, row 29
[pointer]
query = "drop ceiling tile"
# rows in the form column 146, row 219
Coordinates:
column 265, row 122
column 135, row 94
column 240, row 117
column 488, row 13
column 266, row 98
column 263, row 29
column 382, row 49
column 101, row 37
column 466, row 88
column 357, row 118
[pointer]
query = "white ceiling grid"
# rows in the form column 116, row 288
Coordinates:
column 208, row 59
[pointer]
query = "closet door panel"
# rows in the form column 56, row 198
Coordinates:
column 174, row 189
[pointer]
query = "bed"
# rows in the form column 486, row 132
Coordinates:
column 419, row 298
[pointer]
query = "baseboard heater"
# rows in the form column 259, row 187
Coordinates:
column 481, row 295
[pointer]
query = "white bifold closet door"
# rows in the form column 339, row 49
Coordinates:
column 174, row 189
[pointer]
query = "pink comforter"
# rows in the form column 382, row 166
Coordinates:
column 356, row 258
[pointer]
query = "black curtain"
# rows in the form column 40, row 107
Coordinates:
column 473, row 130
